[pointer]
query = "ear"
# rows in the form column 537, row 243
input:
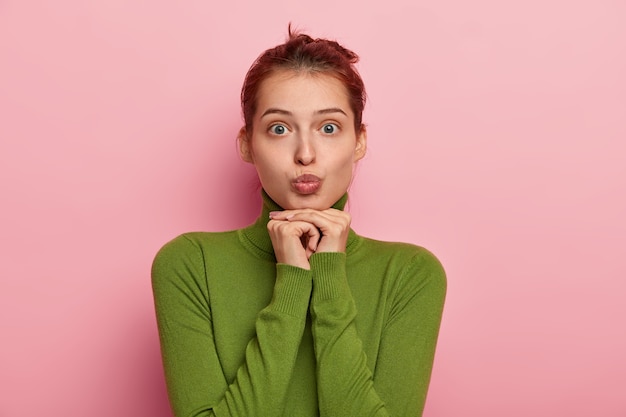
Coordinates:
column 361, row 144
column 245, row 150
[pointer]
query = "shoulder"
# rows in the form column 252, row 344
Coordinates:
column 192, row 244
column 185, row 246
column 186, row 253
column 399, row 252
column 174, row 258
column 412, row 264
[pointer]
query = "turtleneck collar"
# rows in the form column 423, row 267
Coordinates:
column 256, row 238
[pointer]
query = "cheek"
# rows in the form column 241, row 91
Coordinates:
column 344, row 171
column 259, row 155
column 345, row 162
column 267, row 167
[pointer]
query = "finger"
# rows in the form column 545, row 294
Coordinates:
column 328, row 224
column 313, row 240
column 319, row 218
column 297, row 229
column 298, row 214
column 292, row 241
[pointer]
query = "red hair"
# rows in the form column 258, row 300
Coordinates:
column 301, row 53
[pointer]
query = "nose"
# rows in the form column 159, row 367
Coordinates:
column 305, row 152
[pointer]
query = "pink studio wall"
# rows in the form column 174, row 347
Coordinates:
column 497, row 140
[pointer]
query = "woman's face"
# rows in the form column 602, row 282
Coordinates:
column 303, row 144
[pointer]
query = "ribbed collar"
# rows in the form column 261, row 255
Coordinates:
column 257, row 239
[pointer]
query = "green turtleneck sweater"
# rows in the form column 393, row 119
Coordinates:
column 242, row 335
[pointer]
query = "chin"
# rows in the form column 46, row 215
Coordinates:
column 314, row 202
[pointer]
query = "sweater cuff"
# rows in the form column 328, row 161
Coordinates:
column 329, row 275
column 292, row 290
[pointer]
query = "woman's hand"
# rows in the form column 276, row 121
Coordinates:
column 297, row 234
column 293, row 242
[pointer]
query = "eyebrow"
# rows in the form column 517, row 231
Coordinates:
column 273, row 110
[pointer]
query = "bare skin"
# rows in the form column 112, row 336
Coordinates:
column 304, row 146
column 297, row 234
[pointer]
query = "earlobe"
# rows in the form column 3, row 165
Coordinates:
column 361, row 145
column 244, row 146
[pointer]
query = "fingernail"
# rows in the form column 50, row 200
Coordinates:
column 273, row 213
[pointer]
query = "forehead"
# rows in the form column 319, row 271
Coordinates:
column 302, row 91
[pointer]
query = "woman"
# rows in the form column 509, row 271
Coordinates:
column 297, row 315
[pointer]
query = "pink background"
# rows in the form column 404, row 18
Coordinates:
column 497, row 139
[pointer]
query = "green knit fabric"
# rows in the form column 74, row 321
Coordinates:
column 244, row 336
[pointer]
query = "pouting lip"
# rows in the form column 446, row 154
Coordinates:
column 307, row 178
column 306, row 184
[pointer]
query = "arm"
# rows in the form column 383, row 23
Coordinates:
column 398, row 388
column 345, row 385
column 196, row 384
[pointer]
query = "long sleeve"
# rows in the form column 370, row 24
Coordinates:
column 195, row 380
column 398, row 385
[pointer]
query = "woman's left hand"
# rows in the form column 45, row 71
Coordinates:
column 333, row 224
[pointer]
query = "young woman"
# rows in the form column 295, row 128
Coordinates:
column 297, row 315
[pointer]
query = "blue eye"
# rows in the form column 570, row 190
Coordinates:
column 278, row 129
column 329, row 128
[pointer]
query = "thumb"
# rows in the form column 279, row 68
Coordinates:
column 313, row 240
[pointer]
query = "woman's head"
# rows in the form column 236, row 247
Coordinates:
column 303, row 54
column 302, row 104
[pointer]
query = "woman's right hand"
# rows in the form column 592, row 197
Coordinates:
column 293, row 241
